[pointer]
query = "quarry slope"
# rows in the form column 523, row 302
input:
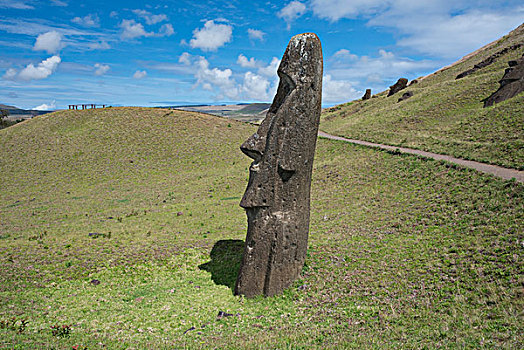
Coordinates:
column 445, row 115
column 123, row 226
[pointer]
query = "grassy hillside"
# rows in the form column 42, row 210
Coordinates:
column 121, row 228
column 445, row 115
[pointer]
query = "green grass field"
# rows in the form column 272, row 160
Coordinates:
column 403, row 252
column 444, row 115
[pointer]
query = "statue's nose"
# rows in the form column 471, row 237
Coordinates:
column 253, row 147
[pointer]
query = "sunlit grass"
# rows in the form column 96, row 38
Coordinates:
column 124, row 224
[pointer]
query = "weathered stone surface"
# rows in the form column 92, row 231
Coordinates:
column 278, row 193
column 367, row 95
column 511, row 84
column 488, row 61
column 413, row 82
column 399, row 85
column 405, row 96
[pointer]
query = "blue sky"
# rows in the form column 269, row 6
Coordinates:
column 59, row 52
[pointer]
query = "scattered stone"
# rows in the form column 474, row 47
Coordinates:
column 189, row 330
column 511, row 84
column 413, row 82
column 277, row 198
column 488, row 60
column 179, row 213
column 405, row 96
column 222, row 314
column 95, row 282
column 367, row 95
column 399, row 85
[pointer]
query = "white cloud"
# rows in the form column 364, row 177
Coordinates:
column 255, row 87
column 214, row 77
column 443, row 29
column 149, row 17
column 46, row 107
column 224, row 83
column 271, row 69
column 102, row 45
column 42, row 71
column 211, row 36
column 87, row 21
column 335, row 91
column 113, row 14
column 10, row 74
column 139, row 74
column 246, row 63
column 14, row 4
column 185, row 58
column 453, row 36
column 101, row 69
column 166, row 30
column 344, row 54
column 132, row 30
column 59, row 3
column 376, row 72
column 334, row 10
column 291, row 12
column 255, row 34
column 51, row 42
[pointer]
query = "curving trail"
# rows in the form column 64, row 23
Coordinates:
column 495, row 170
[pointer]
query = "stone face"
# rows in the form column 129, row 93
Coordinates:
column 399, row 85
column 367, row 95
column 511, row 84
column 278, row 192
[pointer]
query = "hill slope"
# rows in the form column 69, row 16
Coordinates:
column 445, row 115
column 122, row 227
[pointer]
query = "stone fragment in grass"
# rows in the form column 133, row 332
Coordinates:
column 222, row 314
column 277, row 198
column 189, row 330
column 405, row 96
column 95, row 282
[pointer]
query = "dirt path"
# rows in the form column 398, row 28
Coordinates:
column 495, row 170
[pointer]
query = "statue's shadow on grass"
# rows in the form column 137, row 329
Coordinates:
column 226, row 257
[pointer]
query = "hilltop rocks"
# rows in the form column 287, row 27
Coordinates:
column 405, row 96
column 399, row 85
column 488, row 61
column 278, row 193
column 367, row 95
column 511, row 84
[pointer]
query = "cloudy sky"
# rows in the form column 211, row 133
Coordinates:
column 59, row 52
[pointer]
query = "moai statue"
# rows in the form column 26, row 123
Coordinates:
column 277, row 195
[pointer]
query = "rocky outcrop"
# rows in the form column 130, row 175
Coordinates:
column 399, row 85
column 511, row 84
column 278, row 192
column 488, row 61
column 367, row 95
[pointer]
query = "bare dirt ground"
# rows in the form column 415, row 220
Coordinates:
column 495, row 170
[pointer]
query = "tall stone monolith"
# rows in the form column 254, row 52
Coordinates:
column 278, row 192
